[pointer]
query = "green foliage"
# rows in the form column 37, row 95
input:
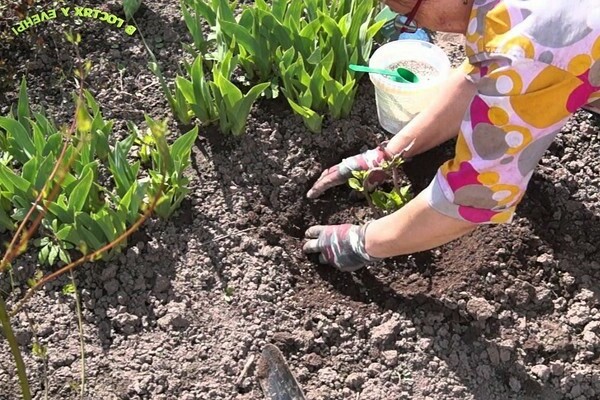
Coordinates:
column 304, row 46
column 130, row 7
column 176, row 99
column 387, row 201
column 86, row 214
column 219, row 99
column 170, row 161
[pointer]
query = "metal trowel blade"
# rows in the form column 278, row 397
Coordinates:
column 275, row 378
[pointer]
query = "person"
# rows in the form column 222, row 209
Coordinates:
column 529, row 66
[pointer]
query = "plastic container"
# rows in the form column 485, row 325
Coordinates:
column 398, row 103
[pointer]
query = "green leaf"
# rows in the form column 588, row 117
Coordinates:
column 103, row 219
column 43, row 257
column 182, row 147
column 83, row 119
column 90, row 240
column 379, row 199
column 355, row 184
column 79, row 195
column 10, row 180
column 130, row 7
column 53, row 144
column 53, row 254
column 21, row 145
column 61, row 212
column 242, row 109
column 39, row 139
column 5, row 221
column 64, row 232
column 186, row 89
column 43, row 172
column 23, row 110
column 64, row 256
column 311, row 119
column 242, row 36
column 68, row 289
column 30, row 170
column 85, row 220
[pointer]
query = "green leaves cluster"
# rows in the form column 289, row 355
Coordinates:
column 85, row 214
column 219, row 99
column 387, row 201
column 303, row 46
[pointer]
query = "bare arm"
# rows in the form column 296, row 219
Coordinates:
column 440, row 121
column 417, row 226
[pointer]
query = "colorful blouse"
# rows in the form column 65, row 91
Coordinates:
column 535, row 63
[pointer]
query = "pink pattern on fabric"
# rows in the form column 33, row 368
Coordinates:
column 582, row 93
column 479, row 112
column 476, row 215
column 466, row 175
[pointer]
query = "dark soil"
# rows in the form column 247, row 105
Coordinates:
column 507, row 312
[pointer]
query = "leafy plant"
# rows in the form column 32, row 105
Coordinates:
column 219, row 99
column 85, row 214
column 304, row 46
column 377, row 198
column 168, row 164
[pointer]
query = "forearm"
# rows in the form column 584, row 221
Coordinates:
column 415, row 227
column 440, row 121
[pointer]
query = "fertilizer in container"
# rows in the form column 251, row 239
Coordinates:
column 397, row 102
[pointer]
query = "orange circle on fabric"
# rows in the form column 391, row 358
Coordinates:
column 488, row 178
column 497, row 21
column 510, row 44
column 579, row 64
column 498, row 116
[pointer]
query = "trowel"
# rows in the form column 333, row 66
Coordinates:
column 275, row 378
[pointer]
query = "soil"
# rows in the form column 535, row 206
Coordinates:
column 507, row 312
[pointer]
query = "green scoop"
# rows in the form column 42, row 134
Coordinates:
column 401, row 75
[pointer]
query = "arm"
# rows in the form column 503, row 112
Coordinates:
column 415, row 227
column 440, row 121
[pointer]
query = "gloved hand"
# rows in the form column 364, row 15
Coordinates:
column 340, row 173
column 340, row 245
column 369, row 160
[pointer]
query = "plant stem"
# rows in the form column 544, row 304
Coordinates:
column 81, row 343
column 14, row 349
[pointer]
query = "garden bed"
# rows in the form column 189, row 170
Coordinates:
column 507, row 312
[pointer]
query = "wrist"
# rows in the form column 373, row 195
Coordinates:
column 401, row 144
column 371, row 240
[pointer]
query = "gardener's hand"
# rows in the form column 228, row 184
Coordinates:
column 340, row 173
column 340, row 245
column 370, row 160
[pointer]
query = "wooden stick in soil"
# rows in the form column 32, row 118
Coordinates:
column 14, row 349
column 81, row 342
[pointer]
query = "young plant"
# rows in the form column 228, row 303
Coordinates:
column 197, row 93
column 233, row 105
column 167, row 171
column 366, row 183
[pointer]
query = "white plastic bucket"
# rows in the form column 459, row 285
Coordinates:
column 398, row 103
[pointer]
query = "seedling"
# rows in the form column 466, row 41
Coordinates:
column 369, row 184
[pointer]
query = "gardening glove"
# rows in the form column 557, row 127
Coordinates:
column 340, row 173
column 370, row 160
column 340, row 245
